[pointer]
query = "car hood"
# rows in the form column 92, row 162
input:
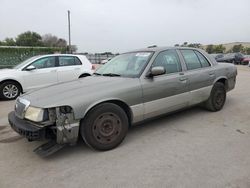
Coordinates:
column 79, row 91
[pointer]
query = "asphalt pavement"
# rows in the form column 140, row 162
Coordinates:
column 192, row 148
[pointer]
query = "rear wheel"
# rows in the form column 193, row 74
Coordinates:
column 9, row 90
column 217, row 97
column 104, row 127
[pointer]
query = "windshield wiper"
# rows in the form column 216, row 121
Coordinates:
column 111, row 74
column 95, row 73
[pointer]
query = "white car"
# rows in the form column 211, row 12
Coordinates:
column 42, row 71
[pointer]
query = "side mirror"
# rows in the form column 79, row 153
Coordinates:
column 155, row 71
column 30, row 68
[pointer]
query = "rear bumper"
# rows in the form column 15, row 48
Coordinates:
column 25, row 128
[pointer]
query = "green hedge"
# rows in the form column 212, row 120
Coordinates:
column 11, row 56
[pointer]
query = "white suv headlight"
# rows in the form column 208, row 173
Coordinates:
column 34, row 114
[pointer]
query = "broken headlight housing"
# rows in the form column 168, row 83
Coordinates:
column 36, row 114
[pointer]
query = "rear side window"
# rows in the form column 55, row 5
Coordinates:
column 191, row 59
column 169, row 60
column 69, row 61
column 77, row 61
column 203, row 60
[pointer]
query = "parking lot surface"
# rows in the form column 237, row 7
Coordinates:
column 192, row 148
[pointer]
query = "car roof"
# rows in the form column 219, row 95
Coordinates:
column 157, row 49
column 48, row 55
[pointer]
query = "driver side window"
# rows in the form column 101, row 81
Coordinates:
column 169, row 60
column 46, row 62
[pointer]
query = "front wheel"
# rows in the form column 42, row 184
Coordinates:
column 9, row 90
column 217, row 98
column 104, row 127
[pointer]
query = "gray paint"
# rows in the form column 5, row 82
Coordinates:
column 143, row 95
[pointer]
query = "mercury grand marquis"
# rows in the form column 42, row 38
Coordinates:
column 130, row 88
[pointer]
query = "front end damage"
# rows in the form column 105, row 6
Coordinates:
column 57, row 125
column 67, row 128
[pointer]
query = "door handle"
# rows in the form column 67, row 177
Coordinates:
column 211, row 73
column 53, row 71
column 183, row 79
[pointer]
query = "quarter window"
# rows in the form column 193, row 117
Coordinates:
column 191, row 59
column 47, row 62
column 77, row 61
column 169, row 60
column 68, row 61
column 203, row 60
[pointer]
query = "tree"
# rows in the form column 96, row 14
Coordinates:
column 176, row 45
column 61, row 43
column 50, row 40
column 184, row 44
column 247, row 50
column 9, row 42
column 29, row 39
column 215, row 49
column 210, row 49
column 194, row 45
column 237, row 48
column 219, row 49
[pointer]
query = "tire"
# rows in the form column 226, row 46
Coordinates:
column 104, row 127
column 9, row 90
column 84, row 75
column 217, row 98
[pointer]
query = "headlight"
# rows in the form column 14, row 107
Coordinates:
column 34, row 114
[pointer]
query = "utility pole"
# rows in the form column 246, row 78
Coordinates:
column 69, row 32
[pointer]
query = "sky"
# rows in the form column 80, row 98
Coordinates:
column 124, row 25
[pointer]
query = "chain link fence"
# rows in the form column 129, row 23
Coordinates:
column 12, row 55
column 97, row 58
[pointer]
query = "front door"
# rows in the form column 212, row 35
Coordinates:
column 45, row 73
column 167, row 92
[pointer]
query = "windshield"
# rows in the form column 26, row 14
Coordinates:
column 126, row 65
column 25, row 62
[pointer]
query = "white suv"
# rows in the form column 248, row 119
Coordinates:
column 41, row 71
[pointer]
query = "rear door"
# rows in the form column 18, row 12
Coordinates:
column 167, row 92
column 45, row 73
column 69, row 68
column 200, row 74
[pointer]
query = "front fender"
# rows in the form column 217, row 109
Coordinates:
column 101, row 101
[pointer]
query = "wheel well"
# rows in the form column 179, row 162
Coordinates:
column 10, row 80
column 121, row 104
column 223, row 81
column 84, row 75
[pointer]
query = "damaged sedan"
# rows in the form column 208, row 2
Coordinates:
column 128, row 89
